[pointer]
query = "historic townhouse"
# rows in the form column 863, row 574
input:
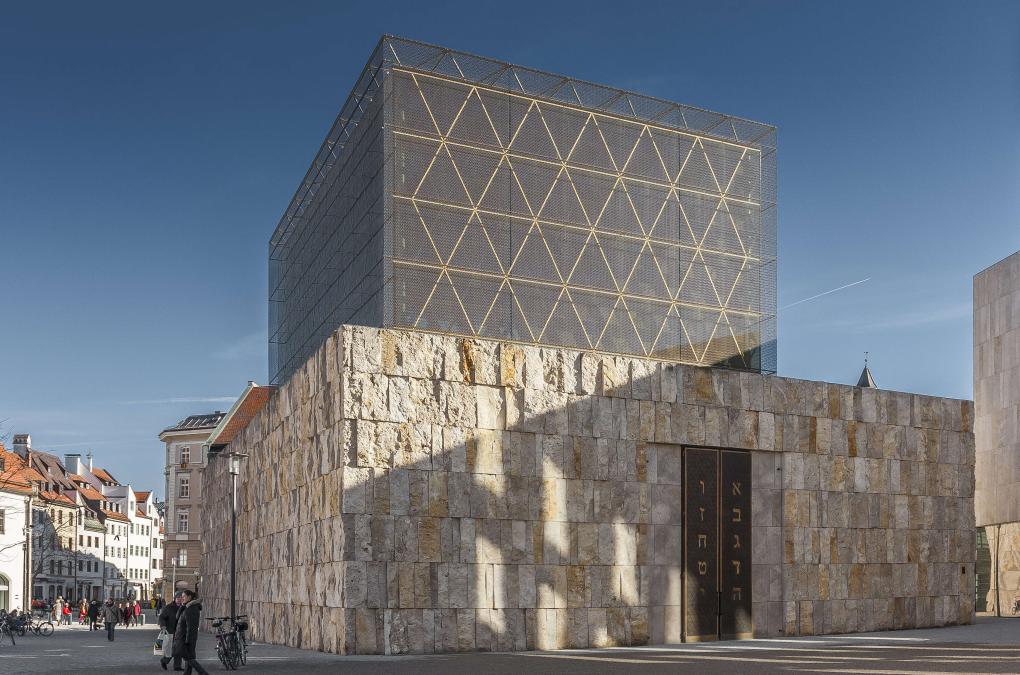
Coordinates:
column 185, row 462
column 92, row 536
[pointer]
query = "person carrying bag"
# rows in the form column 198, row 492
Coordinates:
column 167, row 627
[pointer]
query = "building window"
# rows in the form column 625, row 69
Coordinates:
column 3, row 521
column 185, row 456
column 182, row 521
column 184, row 490
column 182, row 557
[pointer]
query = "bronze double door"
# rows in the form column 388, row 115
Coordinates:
column 717, row 544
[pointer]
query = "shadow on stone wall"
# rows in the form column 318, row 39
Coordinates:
column 415, row 493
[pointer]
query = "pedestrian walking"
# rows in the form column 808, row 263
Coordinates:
column 65, row 617
column 110, row 617
column 83, row 612
column 125, row 614
column 168, row 621
column 186, row 634
column 56, row 610
column 93, row 615
column 138, row 613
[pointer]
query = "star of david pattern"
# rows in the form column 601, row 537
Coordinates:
column 519, row 217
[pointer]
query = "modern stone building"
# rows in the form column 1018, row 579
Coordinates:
column 997, row 425
column 435, row 493
column 556, row 424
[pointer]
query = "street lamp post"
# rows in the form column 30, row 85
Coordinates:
column 74, row 552
column 127, row 569
column 235, row 470
column 102, row 593
column 29, row 533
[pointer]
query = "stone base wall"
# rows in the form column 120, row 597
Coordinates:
column 408, row 492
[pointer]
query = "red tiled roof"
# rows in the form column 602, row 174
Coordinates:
column 141, row 514
column 56, row 497
column 114, row 515
column 91, row 494
column 254, row 400
column 103, row 475
column 51, row 469
column 16, row 476
column 142, row 496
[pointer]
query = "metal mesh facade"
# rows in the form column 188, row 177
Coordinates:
column 463, row 195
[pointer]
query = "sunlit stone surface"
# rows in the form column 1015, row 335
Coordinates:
column 408, row 492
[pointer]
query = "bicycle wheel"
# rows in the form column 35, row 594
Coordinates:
column 235, row 652
column 221, row 652
column 10, row 634
column 45, row 629
column 244, row 651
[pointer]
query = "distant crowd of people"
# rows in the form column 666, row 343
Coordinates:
column 179, row 618
column 63, row 612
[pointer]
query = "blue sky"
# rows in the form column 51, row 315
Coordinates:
column 147, row 152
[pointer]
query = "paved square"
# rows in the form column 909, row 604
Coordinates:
column 990, row 646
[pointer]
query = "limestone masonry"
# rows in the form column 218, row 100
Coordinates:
column 997, row 426
column 411, row 492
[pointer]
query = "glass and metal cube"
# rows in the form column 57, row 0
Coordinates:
column 463, row 195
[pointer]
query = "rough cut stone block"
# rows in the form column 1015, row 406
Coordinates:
column 433, row 493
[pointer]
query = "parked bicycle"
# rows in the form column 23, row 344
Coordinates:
column 1016, row 605
column 38, row 627
column 231, row 644
column 7, row 627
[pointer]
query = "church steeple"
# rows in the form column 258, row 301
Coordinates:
column 866, row 380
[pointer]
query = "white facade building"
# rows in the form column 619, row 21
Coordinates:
column 133, row 527
column 15, row 500
column 92, row 537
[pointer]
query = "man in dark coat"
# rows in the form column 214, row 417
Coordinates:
column 168, row 622
column 186, row 634
column 93, row 614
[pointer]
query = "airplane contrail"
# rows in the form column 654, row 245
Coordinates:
column 825, row 293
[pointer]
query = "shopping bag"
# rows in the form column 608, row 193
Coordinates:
column 160, row 646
